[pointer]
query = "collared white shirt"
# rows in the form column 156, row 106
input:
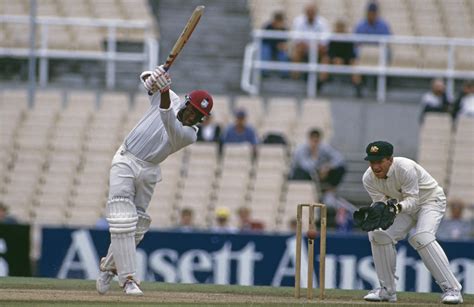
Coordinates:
column 406, row 181
column 319, row 25
column 159, row 133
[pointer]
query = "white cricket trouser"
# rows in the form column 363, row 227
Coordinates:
column 132, row 182
column 425, row 219
column 133, row 178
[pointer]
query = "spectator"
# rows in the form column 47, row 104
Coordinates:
column 341, row 53
column 6, row 218
column 209, row 131
column 276, row 49
column 292, row 225
column 315, row 160
column 240, row 131
column 343, row 220
column 186, row 220
column 246, row 223
column 464, row 105
column 222, row 221
column 310, row 21
column 373, row 24
column 436, row 99
column 455, row 227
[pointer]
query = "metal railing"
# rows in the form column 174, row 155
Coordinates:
column 253, row 65
column 149, row 56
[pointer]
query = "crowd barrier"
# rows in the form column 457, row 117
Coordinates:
column 244, row 259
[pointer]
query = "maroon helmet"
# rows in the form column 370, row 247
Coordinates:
column 201, row 100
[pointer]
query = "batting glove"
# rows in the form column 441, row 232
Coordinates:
column 156, row 80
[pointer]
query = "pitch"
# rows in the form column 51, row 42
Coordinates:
column 22, row 291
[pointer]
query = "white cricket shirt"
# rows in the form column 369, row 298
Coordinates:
column 406, row 181
column 159, row 133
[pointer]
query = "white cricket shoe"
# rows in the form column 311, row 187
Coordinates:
column 131, row 287
column 381, row 295
column 102, row 283
column 451, row 296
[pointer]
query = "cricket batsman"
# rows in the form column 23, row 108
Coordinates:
column 167, row 126
column 404, row 196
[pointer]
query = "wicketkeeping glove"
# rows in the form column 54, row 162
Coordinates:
column 378, row 215
column 156, row 80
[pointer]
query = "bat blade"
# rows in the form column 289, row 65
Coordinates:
column 185, row 35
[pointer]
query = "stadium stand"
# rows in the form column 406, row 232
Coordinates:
column 408, row 18
column 57, row 157
column 78, row 37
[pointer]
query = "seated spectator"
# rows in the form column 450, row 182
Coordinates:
column 316, row 160
column 292, row 225
column 5, row 217
column 240, row 131
column 186, row 220
column 276, row 49
column 435, row 100
column 222, row 221
column 455, row 227
column 343, row 220
column 373, row 24
column 464, row 105
column 209, row 131
column 310, row 21
column 341, row 53
column 246, row 223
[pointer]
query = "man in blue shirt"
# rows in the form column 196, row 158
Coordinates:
column 373, row 24
column 240, row 132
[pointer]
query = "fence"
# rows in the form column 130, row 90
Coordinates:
column 253, row 65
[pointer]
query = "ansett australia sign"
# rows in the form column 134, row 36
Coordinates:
column 244, row 259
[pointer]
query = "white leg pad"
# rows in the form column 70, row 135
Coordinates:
column 143, row 225
column 435, row 260
column 385, row 257
column 122, row 218
column 107, row 263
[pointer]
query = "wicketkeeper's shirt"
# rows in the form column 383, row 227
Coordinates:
column 159, row 133
column 406, row 181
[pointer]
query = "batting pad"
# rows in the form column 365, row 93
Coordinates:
column 122, row 218
column 435, row 260
column 385, row 258
column 143, row 225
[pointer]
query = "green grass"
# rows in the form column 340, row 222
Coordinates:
column 18, row 291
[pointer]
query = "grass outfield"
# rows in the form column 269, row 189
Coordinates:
column 20, row 291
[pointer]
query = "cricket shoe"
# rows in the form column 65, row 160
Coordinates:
column 451, row 296
column 381, row 295
column 131, row 287
column 102, row 283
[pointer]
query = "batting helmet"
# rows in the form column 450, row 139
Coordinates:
column 201, row 100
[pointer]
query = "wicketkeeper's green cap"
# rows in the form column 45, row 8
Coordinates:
column 378, row 150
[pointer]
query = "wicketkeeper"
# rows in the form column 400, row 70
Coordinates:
column 167, row 126
column 404, row 196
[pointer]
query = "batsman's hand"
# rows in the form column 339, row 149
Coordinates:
column 156, row 80
column 378, row 215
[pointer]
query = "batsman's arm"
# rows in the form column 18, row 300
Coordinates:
column 165, row 101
